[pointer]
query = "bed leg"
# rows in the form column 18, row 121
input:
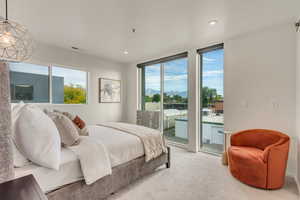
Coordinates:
column 168, row 164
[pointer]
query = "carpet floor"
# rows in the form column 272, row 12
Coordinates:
column 198, row 177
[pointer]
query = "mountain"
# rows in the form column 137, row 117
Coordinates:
column 182, row 94
column 150, row 92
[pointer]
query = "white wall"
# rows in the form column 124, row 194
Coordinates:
column 93, row 112
column 132, row 90
column 298, row 106
column 260, row 82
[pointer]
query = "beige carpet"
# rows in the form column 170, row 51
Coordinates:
column 198, row 177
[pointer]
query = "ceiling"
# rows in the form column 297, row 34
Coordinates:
column 103, row 27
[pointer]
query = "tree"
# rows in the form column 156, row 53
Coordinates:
column 156, row 98
column 177, row 98
column 74, row 94
column 219, row 97
column 209, row 96
column 167, row 98
column 148, row 99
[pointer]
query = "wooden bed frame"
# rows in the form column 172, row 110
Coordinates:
column 122, row 175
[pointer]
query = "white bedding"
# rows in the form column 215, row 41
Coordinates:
column 93, row 157
column 122, row 147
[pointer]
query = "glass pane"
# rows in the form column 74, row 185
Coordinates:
column 29, row 83
column 212, row 97
column 151, row 99
column 176, row 100
column 69, row 86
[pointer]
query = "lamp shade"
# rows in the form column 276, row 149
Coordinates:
column 15, row 41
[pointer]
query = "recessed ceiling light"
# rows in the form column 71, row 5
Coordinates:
column 126, row 52
column 213, row 22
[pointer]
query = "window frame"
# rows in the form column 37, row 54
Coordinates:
column 200, row 53
column 141, row 68
column 50, row 66
column 141, row 84
column 71, row 68
column 49, row 77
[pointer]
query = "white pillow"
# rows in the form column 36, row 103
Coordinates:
column 19, row 159
column 36, row 135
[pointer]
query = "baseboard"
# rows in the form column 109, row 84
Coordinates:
column 298, row 186
column 176, row 144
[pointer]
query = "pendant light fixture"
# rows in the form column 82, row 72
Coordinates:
column 15, row 40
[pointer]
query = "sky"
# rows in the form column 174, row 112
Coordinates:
column 213, row 70
column 70, row 76
column 175, row 76
column 175, row 73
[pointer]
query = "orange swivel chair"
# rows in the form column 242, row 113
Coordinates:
column 258, row 157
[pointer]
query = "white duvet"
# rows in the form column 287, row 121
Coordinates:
column 121, row 148
column 93, row 157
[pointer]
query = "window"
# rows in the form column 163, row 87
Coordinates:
column 176, row 100
column 31, row 83
column 212, row 99
column 69, row 86
column 165, row 89
column 151, row 88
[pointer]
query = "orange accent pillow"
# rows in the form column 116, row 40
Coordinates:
column 79, row 122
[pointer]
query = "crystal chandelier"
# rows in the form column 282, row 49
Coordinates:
column 15, row 40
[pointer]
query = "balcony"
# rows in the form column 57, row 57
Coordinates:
column 175, row 125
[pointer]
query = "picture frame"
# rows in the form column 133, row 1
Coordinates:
column 109, row 90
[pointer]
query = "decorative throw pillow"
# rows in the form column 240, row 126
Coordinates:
column 80, row 124
column 37, row 137
column 66, row 128
column 19, row 159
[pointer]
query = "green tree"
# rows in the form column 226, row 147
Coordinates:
column 156, row 98
column 74, row 94
column 148, row 99
column 219, row 97
column 177, row 99
column 167, row 98
column 209, row 96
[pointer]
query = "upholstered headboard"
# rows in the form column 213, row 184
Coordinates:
column 6, row 154
column 148, row 118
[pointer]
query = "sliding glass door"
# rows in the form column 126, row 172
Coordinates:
column 165, row 89
column 151, row 88
column 175, row 100
column 212, row 99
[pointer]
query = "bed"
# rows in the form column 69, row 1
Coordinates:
column 127, row 156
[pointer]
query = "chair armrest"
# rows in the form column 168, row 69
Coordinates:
column 276, row 160
column 269, row 148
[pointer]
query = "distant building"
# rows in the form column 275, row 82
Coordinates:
column 34, row 88
column 218, row 107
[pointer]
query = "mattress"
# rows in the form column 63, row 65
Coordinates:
column 122, row 147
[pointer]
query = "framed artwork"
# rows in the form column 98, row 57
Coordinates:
column 109, row 90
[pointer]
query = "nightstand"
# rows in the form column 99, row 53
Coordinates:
column 24, row 188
